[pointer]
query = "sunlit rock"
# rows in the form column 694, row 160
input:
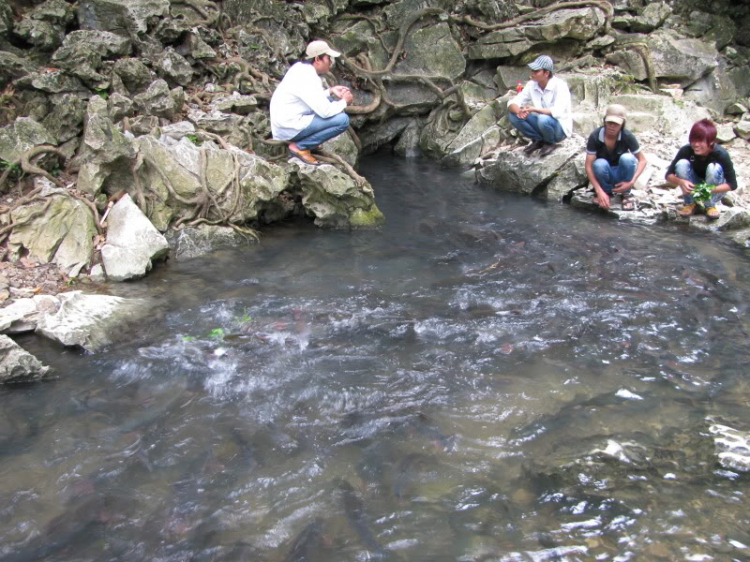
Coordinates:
column 57, row 230
column 129, row 17
column 17, row 365
column 133, row 244
column 91, row 321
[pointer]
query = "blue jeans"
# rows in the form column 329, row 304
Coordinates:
column 714, row 176
column 321, row 130
column 538, row 127
column 609, row 176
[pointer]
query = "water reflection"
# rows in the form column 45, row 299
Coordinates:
column 487, row 378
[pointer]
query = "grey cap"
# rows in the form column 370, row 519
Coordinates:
column 542, row 62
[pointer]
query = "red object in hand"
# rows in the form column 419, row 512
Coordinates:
column 519, row 86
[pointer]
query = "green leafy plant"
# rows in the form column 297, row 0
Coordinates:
column 195, row 139
column 217, row 333
column 702, row 192
column 188, row 338
column 102, row 93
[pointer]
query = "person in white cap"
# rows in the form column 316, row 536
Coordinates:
column 302, row 111
column 614, row 159
column 542, row 110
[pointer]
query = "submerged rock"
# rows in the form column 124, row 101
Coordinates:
column 732, row 447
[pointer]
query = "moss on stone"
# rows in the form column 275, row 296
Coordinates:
column 370, row 218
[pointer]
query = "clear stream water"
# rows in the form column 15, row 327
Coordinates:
column 488, row 377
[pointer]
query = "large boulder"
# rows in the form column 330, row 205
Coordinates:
column 335, row 200
column 59, row 229
column 480, row 134
column 23, row 135
column 675, row 58
column 133, row 244
column 512, row 170
column 82, row 53
column 22, row 315
column 432, row 51
column 91, row 321
column 44, row 26
column 17, row 365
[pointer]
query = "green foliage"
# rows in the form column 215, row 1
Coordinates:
column 627, row 84
column 188, row 338
column 217, row 333
column 15, row 170
column 195, row 139
column 702, row 192
column 102, row 93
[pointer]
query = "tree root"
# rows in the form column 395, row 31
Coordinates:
column 606, row 7
column 25, row 162
column 332, row 158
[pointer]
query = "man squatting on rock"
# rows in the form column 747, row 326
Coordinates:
column 614, row 159
column 302, row 111
column 702, row 161
column 541, row 111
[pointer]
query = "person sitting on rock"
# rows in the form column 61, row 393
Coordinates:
column 541, row 111
column 302, row 111
column 613, row 159
column 702, row 161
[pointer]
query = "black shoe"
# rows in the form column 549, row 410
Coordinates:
column 533, row 147
column 547, row 149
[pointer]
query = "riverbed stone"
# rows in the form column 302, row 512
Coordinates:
column 742, row 129
column 133, row 244
column 91, row 321
column 18, row 365
column 188, row 243
column 22, row 315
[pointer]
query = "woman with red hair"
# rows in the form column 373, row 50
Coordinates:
column 702, row 161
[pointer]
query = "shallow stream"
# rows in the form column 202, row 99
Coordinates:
column 487, row 378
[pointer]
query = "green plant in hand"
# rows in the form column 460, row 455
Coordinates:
column 702, row 192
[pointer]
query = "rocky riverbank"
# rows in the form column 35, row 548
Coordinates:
column 135, row 130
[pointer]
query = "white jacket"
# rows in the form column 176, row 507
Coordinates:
column 556, row 97
column 297, row 99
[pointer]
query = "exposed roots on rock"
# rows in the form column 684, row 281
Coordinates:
column 606, row 7
column 201, row 7
column 25, row 162
column 643, row 49
column 332, row 158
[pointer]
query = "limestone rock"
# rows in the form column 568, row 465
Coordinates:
column 513, row 171
column 189, row 243
column 335, row 199
column 652, row 18
column 60, row 230
column 133, row 74
column 132, row 242
column 743, row 129
column 22, row 315
column 65, row 121
column 432, row 52
column 12, row 67
column 725, row 133
column 480, row 134
column 17, row 365
column 103, row 141
column 129, row 17
column 175, row 67
column 156, row 100
column 91, row 321
column 580, row 24
column 25, row 134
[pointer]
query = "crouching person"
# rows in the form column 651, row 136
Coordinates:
column 702, row 161
column 614, row 160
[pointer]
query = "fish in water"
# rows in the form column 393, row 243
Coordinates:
column 355, row 513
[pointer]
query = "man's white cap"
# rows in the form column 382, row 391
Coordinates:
column 318, row 48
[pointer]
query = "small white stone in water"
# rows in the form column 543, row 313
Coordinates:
column 670, row 476
column 219, row 351
column 624, row 393
column 605, row 361
column 737, row 544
